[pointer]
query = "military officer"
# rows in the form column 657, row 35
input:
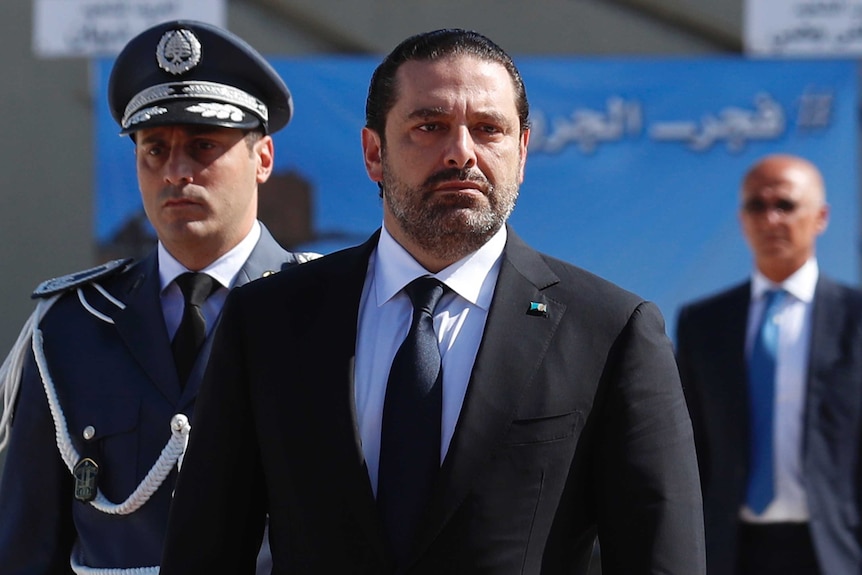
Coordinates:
column 101, row 385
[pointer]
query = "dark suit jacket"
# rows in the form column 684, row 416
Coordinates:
column 572, row 421
column 711, row 356
column 120, row 379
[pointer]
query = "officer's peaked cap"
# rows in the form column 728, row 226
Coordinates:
column 187, row 72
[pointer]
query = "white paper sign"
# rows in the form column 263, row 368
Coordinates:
column 820, row 28
column 88, row 28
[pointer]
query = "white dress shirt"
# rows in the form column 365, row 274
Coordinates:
column 791, row 378
column 385, row 314
column 224, row 270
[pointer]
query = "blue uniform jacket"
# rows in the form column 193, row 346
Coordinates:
column 117, row 379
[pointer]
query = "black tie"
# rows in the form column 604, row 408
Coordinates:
column 410, row 438
column 196, row 288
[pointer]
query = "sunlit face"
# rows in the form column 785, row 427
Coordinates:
column 453, row 156
column 199, row 186
column 783, row 211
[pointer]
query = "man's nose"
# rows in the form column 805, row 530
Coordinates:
column 178, row 169
column 461, row 152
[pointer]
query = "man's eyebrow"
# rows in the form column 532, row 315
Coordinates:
column 191, row 130
column 149, row 138
column 491, row 115
column 424, row 113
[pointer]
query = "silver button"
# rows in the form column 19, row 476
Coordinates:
column 89, row 432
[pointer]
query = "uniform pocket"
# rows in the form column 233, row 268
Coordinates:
column 105, row 429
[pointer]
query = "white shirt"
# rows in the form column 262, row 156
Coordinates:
column 224, row 270
column 791, row 375
column 385, row 314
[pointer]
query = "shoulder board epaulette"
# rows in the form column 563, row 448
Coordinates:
column 299, row 257
column 56, row 285
column 302, row 257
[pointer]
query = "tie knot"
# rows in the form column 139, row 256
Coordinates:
column 772, row 298
column 424, row 293
column 196, row 287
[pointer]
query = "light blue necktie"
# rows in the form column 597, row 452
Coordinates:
column 761, row 385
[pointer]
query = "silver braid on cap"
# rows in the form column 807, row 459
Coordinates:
column 198, row 91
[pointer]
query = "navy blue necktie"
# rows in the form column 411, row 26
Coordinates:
column 761, row 384
column 410, row 436
column 196, row 288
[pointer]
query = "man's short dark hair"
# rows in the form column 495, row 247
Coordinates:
column 252, row 137
column 436, row 45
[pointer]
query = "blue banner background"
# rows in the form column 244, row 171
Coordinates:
column 633, row 169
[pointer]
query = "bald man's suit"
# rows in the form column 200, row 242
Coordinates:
column 711, row 356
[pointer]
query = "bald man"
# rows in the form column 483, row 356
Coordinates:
column 772, row 370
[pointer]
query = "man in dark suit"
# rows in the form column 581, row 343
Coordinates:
column 103, row 405
column 539, row 406
column 779, row 451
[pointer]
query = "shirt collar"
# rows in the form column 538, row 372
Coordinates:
column 394, row 268
column 224, row 270
column 800, row 284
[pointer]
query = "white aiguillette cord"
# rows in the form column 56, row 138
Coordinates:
column 10, row 380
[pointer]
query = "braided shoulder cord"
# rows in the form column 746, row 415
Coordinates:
column 13, row 366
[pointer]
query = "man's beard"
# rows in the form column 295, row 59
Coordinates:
column 453, row 226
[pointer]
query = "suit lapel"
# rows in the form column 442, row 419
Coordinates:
column 503, row 366
column 827, row 321
column 328, row 409
column 338, row 327
column 831, row 404
column 730, row 352
column 141, row 325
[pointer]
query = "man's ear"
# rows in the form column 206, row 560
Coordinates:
column 266, row 158
column 372, row 152
column 823, row 219
column 525, row 144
